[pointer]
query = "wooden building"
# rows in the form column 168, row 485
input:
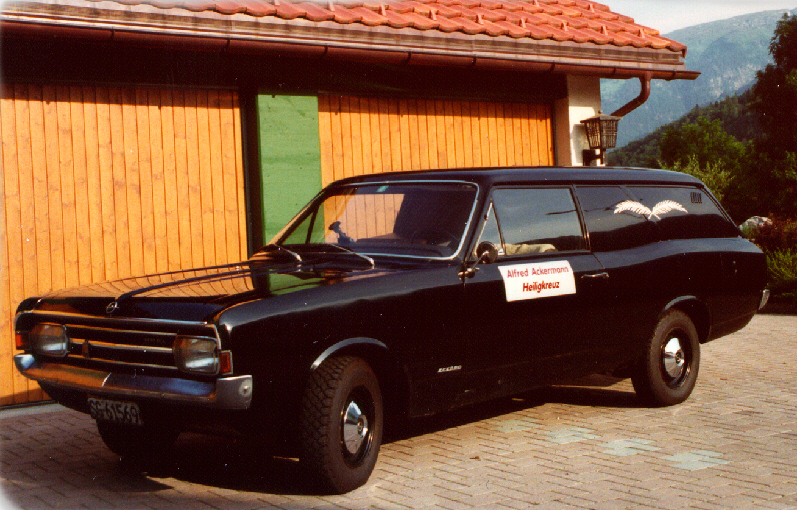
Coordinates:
column 142, row 136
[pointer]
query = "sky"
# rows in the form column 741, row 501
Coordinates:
column 669, row 15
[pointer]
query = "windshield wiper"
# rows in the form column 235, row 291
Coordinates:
column 277, row 247
column 349, row 250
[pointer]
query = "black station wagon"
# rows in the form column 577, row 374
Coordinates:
column 405, row 293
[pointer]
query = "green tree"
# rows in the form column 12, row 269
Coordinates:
column 772, row 168
column 705, row 141
column 706, row 151
column 774, row 95
column 718, row 179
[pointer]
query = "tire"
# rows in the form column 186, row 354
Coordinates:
column 341, row 423
column 138, row 444
column 667, row 372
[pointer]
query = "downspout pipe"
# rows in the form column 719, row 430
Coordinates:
column 638, row 101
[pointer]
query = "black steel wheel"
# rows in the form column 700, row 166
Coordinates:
column 667, row 372
column 341, row 423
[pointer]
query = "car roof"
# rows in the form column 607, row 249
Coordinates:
column 487, row 176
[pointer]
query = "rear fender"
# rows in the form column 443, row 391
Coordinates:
column 697, row 311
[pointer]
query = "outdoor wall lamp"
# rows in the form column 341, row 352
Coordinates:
column 601, row 134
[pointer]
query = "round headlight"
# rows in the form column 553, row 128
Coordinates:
column 49, row 340
column 197, row 355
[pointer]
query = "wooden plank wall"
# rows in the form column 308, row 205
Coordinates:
column 99, row 183
column 363, row 216
column 361, row 135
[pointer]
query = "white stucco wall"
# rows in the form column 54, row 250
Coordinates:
column 583, row 101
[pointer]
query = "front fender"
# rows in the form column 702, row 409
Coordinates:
column 347, row 345
column 392, row 375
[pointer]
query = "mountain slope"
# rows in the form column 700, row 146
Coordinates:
column 727, row 53
column 733, row 113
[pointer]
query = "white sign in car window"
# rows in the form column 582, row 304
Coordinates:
column 533, row 281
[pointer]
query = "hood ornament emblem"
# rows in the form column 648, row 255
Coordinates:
column 111, row 308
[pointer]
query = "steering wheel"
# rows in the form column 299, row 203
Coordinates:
column 436, row 236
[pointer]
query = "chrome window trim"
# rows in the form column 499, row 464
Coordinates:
column 399, row 182
column 573, row 196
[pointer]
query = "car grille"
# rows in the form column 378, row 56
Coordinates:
column 127, row 345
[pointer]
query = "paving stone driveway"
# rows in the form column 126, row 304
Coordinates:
column 732, row 445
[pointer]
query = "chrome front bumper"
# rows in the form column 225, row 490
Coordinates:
column 224, row 393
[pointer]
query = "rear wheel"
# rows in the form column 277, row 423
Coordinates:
column 667, row 372
column 341, row 423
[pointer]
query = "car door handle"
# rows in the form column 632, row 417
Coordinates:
column 596, row 276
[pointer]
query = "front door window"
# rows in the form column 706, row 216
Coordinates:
column 527, row 221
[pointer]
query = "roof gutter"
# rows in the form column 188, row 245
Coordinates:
column 324, row 50
column 635, row 103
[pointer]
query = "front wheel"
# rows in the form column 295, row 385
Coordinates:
column 341, row 423
column 667, row 372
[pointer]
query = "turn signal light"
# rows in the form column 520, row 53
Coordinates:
column 21, row 341
column 225, row 362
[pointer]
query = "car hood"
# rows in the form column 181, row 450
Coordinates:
column 199, row 294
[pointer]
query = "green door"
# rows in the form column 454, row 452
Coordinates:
column 290, row 158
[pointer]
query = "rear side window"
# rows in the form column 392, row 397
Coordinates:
column 612, row 225
column 683, row 212
column 537, row 220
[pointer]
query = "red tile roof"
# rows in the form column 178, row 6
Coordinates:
column 558, row 36
column 576, row 21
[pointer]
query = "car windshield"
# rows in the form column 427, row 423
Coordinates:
column 415, row 219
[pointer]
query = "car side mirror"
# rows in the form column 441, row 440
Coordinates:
column 487, row 253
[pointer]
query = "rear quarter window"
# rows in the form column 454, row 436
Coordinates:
column 683, row 212
column 610, row 226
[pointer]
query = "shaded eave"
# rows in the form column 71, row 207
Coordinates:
column 240, row 33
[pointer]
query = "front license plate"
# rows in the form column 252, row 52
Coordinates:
column 115, row 411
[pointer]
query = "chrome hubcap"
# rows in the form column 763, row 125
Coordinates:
column 674, row 358
column 355, row 428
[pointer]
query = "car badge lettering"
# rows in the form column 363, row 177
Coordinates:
column 449, row 369
column 111, row 308
column 661, row 208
